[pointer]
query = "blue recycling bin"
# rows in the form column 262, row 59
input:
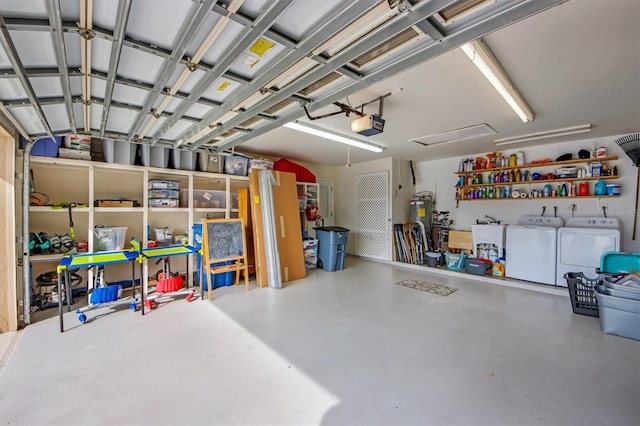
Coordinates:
column 332, row 246
column 219, row 280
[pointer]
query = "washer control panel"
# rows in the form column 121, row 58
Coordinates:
column 547, row 221
column 593, row 222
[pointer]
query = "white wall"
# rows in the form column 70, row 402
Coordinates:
column 400, row 185
column 438, row 177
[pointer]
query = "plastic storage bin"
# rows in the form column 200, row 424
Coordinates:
column 455, row 261
column 183, row 159
column 164, row 193
column 260, row 164
column 212, row 163
column 583, row 299
column 154, row 156
column 45, row 147
column 164, row 236
column 204, row 198
column 163, row 184
column 119, row 152
column 163, row 202
column 477, row 266
column 235, row 165
column 332, row 243
column 618, row 315
column 108, row 239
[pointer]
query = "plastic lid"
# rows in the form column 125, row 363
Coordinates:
column 332, row 229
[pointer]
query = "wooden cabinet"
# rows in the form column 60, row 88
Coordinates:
column 85, row 182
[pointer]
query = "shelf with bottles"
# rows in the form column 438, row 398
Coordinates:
column 521, row 175
column 540, row 198
column 479, row 166
column 538, row 181
column 567, row 189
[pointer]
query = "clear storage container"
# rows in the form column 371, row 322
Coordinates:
column 204, row 198
column 163, row 184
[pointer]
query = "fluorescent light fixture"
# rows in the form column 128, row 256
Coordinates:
column 312, row 130
column 460, row 9
column 545, row 135
column 86, row 24
column 197, row 57
column 482, row 58
column 357, row 29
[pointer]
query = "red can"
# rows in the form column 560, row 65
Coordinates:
column 584, row 189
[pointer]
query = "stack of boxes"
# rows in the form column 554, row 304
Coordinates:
column 163, row 193
column 310, row 247
column 76, row 147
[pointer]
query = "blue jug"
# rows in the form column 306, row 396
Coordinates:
column 601, row 187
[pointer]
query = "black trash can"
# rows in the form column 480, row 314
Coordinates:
column 332, row 246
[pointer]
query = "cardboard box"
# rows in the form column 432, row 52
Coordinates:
column 287, row 218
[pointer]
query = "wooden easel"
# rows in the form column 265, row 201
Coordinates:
column 223, row 240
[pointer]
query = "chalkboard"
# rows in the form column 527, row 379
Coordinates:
column 224, row 238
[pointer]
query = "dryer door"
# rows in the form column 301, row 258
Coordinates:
column 580, row 249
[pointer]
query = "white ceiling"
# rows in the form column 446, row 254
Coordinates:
column 577, row 62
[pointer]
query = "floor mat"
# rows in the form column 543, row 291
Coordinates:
column 439, row 289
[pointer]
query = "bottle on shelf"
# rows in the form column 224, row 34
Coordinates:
column 601, row 187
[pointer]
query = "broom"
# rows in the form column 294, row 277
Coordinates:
column 630, row 144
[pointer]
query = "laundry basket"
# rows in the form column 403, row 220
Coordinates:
column 581, row 292
column 455, row 261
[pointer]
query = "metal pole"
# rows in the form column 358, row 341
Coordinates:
column 60, row 315
column 26, row 273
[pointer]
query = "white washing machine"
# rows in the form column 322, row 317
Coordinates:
column 581, row 243
column 531, row 249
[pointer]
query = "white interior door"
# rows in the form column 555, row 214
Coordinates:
column 325, row 201
column 371, row 233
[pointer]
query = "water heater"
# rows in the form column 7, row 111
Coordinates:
column 421, row 210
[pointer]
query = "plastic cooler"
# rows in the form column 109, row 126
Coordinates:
column 332, row 244
column 219, row 280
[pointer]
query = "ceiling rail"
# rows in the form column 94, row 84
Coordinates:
column 122, row 17
column 487, row 25
column 403, row 21
column 259, row 27
column 330, row 26
column 12, row 54
column 55, row 20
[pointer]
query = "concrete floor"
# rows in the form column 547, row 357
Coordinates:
column 347, row 347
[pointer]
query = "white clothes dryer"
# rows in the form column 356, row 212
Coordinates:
column 581, row 244
column 531, row 249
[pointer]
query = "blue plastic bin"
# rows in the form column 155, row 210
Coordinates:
column 45, row 147
column 219, row 280
column 332, row 246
